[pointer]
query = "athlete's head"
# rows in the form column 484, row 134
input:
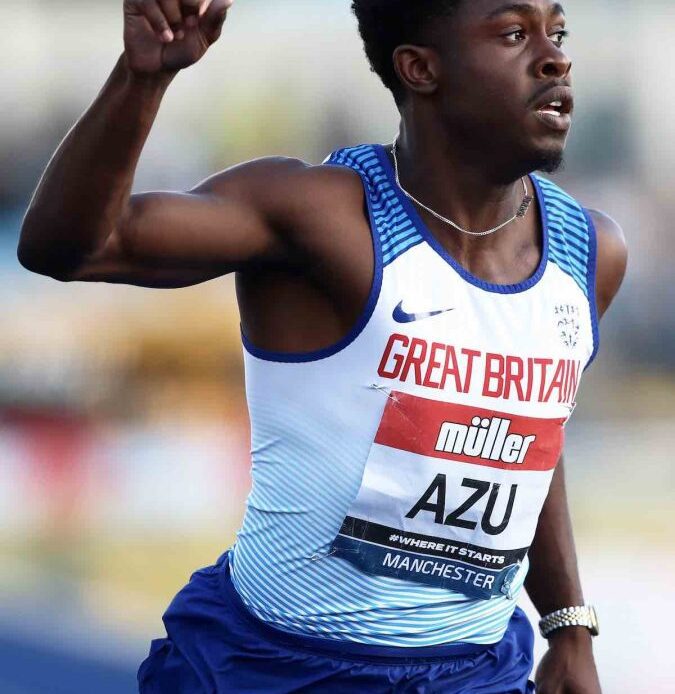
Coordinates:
column 484, row 68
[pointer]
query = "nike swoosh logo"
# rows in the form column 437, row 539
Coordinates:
column 400, row 316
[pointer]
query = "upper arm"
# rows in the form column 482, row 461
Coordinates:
column 232, row 219
column 612, row 259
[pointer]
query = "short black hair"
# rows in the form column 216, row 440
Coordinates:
column 386, row 24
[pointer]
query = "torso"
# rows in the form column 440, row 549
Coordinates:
column 334, row 431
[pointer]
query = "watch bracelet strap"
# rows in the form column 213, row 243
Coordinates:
column 566, row 617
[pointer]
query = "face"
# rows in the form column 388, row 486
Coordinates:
column 503, row 80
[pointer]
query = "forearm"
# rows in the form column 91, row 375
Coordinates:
column 85, row 189
column 553, row 581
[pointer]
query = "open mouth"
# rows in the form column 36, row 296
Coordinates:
column 555, row 108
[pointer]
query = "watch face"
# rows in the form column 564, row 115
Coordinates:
column 595, row 626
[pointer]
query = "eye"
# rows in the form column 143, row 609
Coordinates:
column 515, row 36
column 558, row 37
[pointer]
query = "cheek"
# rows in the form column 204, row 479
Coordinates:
column 487, row 86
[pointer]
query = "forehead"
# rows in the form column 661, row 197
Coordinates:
column 485, row 10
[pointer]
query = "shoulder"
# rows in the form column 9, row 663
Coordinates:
column 271, row 176
column 289, row 193
column 612, row 258
column 612, row 252
column 310, row 211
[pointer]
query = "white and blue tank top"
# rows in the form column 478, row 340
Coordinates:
column 398, row 475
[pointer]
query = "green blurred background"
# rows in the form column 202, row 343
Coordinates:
column 123, row 428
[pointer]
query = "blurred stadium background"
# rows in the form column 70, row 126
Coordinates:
column 123, row 430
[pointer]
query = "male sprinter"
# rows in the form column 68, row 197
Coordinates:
column 416, row 320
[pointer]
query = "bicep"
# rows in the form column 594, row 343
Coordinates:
column 168, row 239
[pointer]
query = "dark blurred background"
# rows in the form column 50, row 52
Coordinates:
column 123, row 428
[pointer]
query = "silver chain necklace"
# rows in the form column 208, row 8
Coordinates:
column 522, row 210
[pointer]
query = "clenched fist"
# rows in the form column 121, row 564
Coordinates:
column 169, row 35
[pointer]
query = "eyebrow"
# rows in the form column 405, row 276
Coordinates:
column 523, row 8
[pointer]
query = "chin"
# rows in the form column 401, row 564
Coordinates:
column 552, row 163
column 547, row 160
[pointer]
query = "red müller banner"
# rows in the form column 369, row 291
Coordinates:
column 470, row 434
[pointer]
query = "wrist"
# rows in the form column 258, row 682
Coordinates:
column 572, row 636
column 578, row 616
column 149, row 81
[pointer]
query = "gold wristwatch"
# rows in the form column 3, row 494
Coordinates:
column 584, row 616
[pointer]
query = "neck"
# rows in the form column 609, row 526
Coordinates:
column 467, row 187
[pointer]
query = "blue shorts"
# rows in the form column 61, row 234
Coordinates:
column 216, row 646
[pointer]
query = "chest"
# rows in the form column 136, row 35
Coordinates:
column 438, row 334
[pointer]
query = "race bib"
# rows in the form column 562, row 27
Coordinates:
column 451, row 495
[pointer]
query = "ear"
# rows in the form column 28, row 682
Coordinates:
column 418, row 68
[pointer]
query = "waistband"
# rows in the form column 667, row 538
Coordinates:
column 337, row 648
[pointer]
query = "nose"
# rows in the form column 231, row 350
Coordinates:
column 554, row 62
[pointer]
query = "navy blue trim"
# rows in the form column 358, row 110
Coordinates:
column 426, row 234
column 334, row 648
column 366, row 314
column 591, row 276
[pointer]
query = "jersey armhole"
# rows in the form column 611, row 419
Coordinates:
column 366, row 313
column 591, row 278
